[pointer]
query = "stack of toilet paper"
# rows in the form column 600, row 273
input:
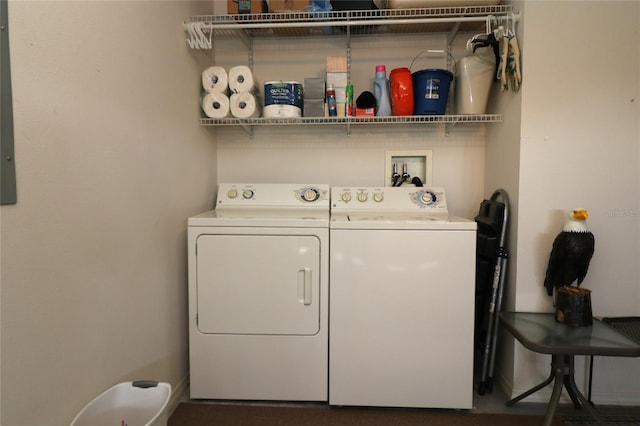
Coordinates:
column 244, row 103
column 214, row 99
column 217, row 83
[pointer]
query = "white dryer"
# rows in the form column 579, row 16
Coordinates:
column 258, row 294
column 402, row 275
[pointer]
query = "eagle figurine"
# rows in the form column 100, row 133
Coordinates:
column 571, row 253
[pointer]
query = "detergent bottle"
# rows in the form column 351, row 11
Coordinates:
column 401, row 86
column 381, row 91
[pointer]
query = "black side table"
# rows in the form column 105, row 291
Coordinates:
column 539, row 332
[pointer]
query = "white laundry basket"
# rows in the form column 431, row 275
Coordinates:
column 142, row 403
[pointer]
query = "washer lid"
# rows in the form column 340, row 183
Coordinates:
column 392, row 220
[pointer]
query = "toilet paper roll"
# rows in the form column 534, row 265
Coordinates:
column 241, row 79
column 244, row 105
column 282, row 111
column 215, row 79
column 215, row 105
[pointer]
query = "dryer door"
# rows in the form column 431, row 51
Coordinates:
column 258, row 284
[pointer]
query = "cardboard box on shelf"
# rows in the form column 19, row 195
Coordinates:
column 336, row 64
column 313, row 107
column 339, row 82
column 257, row 6
column 365, row 112
column 292, row 6
column 314, row 88
column 286, row 5
column 338, row 79
column 341, row 94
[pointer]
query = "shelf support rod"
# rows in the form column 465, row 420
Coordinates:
column 250, row 55
column 447, row 128
column 349, row 35
column 248, row 44
column 248, row 129
column 453, row 33
column 348, row 74
column 242, row 35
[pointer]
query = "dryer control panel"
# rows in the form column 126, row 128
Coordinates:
column 261, row 195
column 400, row 199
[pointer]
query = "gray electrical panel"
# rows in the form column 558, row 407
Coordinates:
column 8, row 193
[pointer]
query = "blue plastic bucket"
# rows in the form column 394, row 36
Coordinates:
column 431, row 91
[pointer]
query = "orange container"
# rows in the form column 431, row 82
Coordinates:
column 401, row 86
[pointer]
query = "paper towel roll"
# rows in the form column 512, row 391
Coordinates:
column 215, row 79
column 215, row 105
column 244, row 105
column 241, row 79
column 282, row 111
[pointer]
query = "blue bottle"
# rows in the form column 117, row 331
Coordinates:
column 381, row 92
column 331, row 101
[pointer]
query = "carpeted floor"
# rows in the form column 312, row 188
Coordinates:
column 194, row 414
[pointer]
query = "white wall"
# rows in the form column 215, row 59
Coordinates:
column 110, row 163
column 579, row 146
column 325, row 154
column 502, row 168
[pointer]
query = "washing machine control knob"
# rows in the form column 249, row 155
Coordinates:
column 310, row 194
column 362, row 197
column 378, row 197
column 428, row 197
column 232, row 193
column 346, row 197
column 247, row 194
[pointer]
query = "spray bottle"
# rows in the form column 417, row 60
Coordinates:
column 350, row 110
column 331, row 101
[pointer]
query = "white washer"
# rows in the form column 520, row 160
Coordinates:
column 402, row 274
column 258, row 294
